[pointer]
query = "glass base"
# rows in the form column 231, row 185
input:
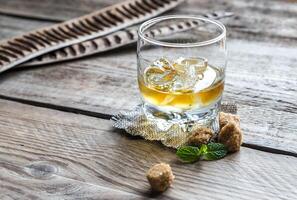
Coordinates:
column 206, row 117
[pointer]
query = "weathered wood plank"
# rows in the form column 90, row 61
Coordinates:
column 52, row 9
column 112, row 75
column 256, row 19
column 13, row 26
column 261, row 76
column 52, row 154
column 107, row 84
column 252, row 16
column 30, row 186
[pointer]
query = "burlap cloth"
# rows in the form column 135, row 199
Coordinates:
column 173, row 135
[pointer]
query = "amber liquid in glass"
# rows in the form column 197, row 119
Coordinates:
column 206, row 91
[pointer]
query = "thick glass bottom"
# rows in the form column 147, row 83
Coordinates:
column 206, row 117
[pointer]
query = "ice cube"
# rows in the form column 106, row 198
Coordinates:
column 195, row 65
column 178, row 66
column 209, row 77
column 163, row 63
column 189, row 71
column 159, row 78
column 179, row 76
column 160, row 75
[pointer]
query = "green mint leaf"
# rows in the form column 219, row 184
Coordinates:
column 188, row 154
column 214, row 151
column 203, row 149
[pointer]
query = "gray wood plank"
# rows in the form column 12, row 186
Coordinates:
column 54, row 10
column 13, row 26
column 265, row 91
column 261, row 75
column 51, row 154
column 24, row 185
column 265, row 19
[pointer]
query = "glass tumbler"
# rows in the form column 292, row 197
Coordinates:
column 181, row 69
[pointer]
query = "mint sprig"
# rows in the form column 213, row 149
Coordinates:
column 214, row 151
column 188, row 154
column 211, row 151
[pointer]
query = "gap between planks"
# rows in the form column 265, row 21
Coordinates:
column 107, row 116
column 61, row 155
column 29, row 17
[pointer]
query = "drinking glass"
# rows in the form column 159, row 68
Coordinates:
column 181, row 69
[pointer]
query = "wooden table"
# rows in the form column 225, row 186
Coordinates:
column 56, row 141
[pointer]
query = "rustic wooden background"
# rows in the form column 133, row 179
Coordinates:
column 56, row 141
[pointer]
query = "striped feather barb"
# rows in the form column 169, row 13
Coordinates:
column 112, row 41
column 110, row 19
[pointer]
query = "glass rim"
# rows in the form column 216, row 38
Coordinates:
column 153, row 21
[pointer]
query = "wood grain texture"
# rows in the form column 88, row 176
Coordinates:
column 54, row 10
column 13, row 26
column 48, row 154
column 107, row 84
column 252, row 16
column 261, row 75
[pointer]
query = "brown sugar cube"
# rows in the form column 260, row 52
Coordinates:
column 201, row 135
column 160, row 177
column 224, row 118
column 231, row 136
